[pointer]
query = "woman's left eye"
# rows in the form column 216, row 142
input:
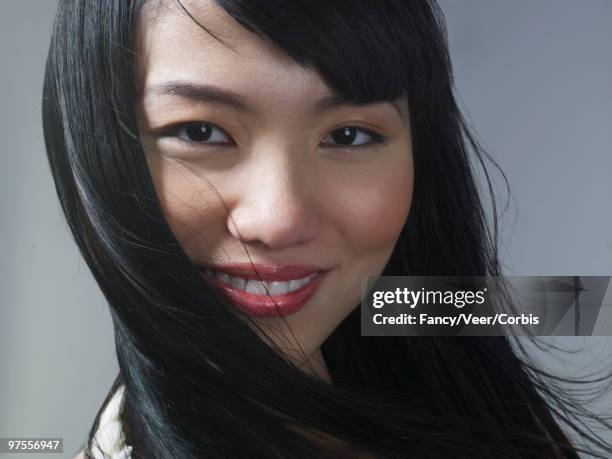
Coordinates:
column 351, row 136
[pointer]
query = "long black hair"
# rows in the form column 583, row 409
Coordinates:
column 199, row 380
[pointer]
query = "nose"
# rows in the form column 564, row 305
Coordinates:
column 275, row 206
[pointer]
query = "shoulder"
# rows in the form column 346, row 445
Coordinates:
column 109, row 440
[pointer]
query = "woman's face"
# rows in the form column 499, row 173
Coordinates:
column 256, row 148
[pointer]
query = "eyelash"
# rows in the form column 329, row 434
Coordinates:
column 375, row 138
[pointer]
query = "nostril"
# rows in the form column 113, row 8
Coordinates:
column 276, row 228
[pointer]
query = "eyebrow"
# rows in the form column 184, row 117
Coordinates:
column 216, row 95
column 200, row 93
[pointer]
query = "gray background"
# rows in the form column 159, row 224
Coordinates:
column 534, row 78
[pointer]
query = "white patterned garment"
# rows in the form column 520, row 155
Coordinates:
column 109, row 442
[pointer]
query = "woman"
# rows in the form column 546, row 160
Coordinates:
column 231, row 172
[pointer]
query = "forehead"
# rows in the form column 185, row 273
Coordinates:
column 172, row 46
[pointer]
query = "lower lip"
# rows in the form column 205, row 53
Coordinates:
column 269, row 306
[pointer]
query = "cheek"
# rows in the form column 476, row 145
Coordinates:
column 375, row 209
column 189, row 204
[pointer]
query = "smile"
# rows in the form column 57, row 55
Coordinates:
column 270, row 291
column 260, row 287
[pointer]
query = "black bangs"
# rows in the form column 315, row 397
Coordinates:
column 366, row 50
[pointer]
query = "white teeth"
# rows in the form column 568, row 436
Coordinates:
column 260, row 287
column 278, row 288
column 255, row 286
column 238, row 282
column 297, row 283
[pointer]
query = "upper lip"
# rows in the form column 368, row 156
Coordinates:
column 266, row 272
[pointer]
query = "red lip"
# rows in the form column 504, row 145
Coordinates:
column 268, row 305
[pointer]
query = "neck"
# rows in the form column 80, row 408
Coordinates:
column 317, row 366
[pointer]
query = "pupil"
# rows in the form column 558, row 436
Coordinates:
column 344, row 136
column 198, row 132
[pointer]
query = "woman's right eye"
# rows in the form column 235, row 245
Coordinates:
column 205, row 133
